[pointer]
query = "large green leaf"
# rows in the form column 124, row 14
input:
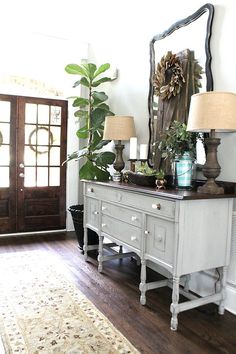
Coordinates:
column 87, row 171
column 102, row 80
column 97, row 117
column 80, row 102
column 101, row 69
column 104, row 106
column 101, row 144
column 75, row 69
column 77, row 83
column 82, row 132
column 105, row 158
column 84, row 82
column 76, row 155
column 99, row 97
column 96, row 141
column 81, row 114
column 101, row 175
column 91, row 70
column 91, row 171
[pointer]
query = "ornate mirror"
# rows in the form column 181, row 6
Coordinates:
column 180, row 65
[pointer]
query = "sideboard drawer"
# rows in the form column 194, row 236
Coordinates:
column 123, row 214
column 158, row 206
column 100, row 192
column 121, row 231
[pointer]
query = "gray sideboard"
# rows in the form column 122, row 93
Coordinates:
column 181, row 231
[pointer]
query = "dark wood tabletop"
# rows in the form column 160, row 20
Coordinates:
column 173, row 193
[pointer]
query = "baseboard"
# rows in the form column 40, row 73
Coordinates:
column 203, row 284
column 32, row 233
column 230, row 301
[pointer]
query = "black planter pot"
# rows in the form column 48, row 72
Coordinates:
column 77, row 213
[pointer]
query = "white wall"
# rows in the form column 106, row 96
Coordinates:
column 119, row 33
column 125, row 43
column 37, row 56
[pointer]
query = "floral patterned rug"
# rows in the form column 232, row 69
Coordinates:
column 42, row 312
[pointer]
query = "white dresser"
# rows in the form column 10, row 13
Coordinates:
column 181, row 231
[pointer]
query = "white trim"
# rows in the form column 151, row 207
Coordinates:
column 31, row 233
column 203, row 284
column 230, row 301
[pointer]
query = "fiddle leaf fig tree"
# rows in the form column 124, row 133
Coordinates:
column 91, row 113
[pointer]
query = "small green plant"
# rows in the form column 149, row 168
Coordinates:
column 177, row 140
column 91, row 114
column 149, row 171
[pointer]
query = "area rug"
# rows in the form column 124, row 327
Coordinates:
column 43, row 312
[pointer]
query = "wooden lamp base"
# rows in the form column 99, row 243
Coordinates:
column 211, row 169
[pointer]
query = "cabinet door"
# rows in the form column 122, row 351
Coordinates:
column 159, row 243
column 92, row 213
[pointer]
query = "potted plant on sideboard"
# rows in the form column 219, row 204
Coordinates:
column 91, row 114
column 179, row 145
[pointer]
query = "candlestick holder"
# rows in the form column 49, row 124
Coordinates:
column 132, row 164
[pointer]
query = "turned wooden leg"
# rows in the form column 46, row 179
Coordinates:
column 142, row 285
column 85, row 247
column 174, row 306
column 100, row 253
column 223, row 273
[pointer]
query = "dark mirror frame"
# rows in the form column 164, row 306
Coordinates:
column 209, row 79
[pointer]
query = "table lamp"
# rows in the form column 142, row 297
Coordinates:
column 119, row 128
column 212, row 112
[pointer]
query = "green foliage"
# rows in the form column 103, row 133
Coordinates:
column 91, row 114
column 178, row 140
column 148, row 171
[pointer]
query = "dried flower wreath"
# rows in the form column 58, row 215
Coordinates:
column 168, row 78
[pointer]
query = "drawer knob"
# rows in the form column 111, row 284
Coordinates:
column 133, row 238
column 146, row 232
column 96, row 212
column 156, row 206
column 104, row 208
column 90, row 190
column 133, row 218
column 104, row 225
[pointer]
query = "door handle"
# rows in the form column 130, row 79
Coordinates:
column 21, row 165
column 21, row 175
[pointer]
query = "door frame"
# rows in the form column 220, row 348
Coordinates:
column 16, row 195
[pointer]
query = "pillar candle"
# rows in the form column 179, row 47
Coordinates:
column 143, row 151
column 133, row 148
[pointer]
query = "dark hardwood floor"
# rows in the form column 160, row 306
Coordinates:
column 115, row 293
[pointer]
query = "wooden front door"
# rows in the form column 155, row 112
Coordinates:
column 32, row 178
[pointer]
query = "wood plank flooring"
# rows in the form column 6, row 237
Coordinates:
column 115, row 293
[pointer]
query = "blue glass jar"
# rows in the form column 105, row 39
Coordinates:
column 184, row 170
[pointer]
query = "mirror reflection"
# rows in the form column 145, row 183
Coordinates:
column 180, row 61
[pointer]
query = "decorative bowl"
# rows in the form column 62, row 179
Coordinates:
column 140, row 179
